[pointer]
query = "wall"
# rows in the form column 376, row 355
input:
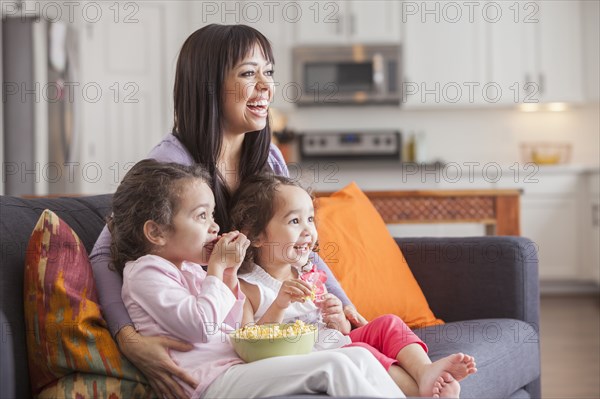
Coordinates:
column 477, row 135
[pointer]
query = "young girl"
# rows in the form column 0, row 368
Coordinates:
column 163, row 230
column 277, row 215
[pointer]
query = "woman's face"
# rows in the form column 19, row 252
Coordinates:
column 249, row 90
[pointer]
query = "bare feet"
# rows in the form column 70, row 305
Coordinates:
column 441, row 377
column 445, row 386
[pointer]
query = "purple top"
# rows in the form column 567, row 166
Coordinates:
column 109, row 282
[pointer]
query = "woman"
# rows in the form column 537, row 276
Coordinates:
column 220, row 122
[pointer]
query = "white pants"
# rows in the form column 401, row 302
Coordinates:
column 339, row 372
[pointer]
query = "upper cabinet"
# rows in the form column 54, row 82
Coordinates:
column 492, row 53
column 347, row 22
column 444, row 56
column 536, row 51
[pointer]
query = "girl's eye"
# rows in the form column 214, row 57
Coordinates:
column 201, row 215
column 311, row 219
column 248, row 74
column 270, row 72
column 295, row 221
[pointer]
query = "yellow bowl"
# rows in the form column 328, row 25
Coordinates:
column 545, row 159
column 253, row 349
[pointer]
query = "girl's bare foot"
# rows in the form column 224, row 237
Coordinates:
column 445, row 386
column 451, row 369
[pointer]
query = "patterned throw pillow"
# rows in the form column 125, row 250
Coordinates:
column 71, row 352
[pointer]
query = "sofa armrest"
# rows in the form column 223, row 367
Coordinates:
column 7, row 364
column 476, row 277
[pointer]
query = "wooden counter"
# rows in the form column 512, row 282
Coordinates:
column 498, row 210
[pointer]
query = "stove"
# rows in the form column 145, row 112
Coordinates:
column 351, row 145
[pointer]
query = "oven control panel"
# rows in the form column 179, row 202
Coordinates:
column 351, row 145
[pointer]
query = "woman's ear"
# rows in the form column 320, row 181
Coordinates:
column 154, row 233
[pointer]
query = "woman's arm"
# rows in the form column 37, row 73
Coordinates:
column 149, row 354
column 332, row 283
column 334, row 287
column 109, row 284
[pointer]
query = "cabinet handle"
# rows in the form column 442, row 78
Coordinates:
column 596, row 215
column 338, row 25
column 527, row 87
column 542, row 80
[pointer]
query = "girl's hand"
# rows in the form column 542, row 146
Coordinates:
column 151, row 356
column 292, row 290
column 229, row 252
column 333, row 313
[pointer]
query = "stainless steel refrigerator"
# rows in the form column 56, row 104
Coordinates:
column 40, row 106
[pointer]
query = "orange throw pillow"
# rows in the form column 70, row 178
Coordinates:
column 357, row 246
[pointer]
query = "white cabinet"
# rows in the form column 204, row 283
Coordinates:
column 560, row 51
column 491, row 53
column 536, row 51
column 551, row 214
column 346, row 22
column 444, row 61
column 591, row 226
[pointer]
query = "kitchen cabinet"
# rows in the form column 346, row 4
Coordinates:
column 491, row 53
column 591, row 225
column 535, row 52
column 551, row 213
column 348, row 22
column 444, row 58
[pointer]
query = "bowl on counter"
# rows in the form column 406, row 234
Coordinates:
column 546, row 153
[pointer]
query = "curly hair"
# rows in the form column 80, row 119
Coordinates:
column 253, row 206
column 150, row 190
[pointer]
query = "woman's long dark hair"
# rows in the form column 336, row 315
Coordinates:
column 204, row 61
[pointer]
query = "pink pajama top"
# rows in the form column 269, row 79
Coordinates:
column 186, row 305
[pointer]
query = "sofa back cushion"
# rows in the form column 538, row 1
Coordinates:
column 67, row 338
column 18, row 216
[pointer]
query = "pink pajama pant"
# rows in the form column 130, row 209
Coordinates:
column 384, row 337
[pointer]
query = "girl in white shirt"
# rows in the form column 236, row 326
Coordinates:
column 277, row 215
column 163, row 230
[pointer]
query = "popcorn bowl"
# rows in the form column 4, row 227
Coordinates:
column 256, row 342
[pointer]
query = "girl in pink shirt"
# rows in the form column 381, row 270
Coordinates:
column 282, row 285
column 163, row 230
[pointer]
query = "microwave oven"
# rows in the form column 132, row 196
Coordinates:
column 344, row 75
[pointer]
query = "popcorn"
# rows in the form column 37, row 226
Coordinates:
column 272, row 331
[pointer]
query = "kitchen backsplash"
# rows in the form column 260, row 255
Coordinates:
column 474, row 135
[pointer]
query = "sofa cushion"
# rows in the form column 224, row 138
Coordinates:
column 70, row 350
column 506, row 351
column 357, row 246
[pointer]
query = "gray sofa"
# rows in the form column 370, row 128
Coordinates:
column 485, row 288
